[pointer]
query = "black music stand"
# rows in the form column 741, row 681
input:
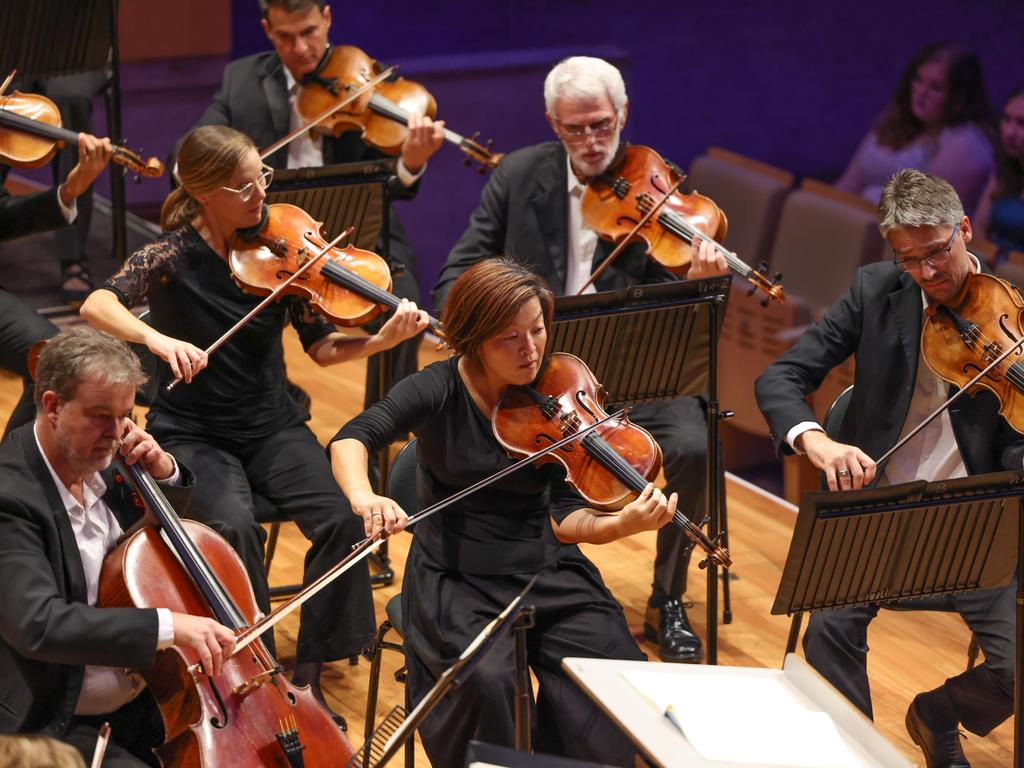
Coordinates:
column 653, row 342
column 344, row 195
column 46, row 38
column 904, row 542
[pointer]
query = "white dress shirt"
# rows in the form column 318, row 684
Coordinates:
column 97, row 531
column 933, row 453
column 582, row 240
column 307, row 150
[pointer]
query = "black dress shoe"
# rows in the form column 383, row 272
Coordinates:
column 668, row 626
column 941, row 747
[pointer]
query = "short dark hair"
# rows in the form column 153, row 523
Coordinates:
column 81, row 351
column 291, row 6
column 486, row 299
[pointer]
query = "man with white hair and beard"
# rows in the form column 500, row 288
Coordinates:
column 530, row 210
column 64, row 661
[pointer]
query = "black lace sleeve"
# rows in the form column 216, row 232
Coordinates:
column 147, row 265
column 308, row 323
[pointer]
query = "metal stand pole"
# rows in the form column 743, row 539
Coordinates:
column 714, row 486
column 523, row 723
column 380, row 561
column 1018, row 684
column 113, row 98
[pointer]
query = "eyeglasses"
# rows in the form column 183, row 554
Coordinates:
column 577, row 134
column 936, row 258
column 248, row 190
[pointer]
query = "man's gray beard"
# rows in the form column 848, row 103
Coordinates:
column 83, row 467
column 591, row 171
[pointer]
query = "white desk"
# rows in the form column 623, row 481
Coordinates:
column 663, row 745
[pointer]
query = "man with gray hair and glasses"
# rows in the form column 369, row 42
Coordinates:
column 530, row 210
column 64, row 661
column 879, row 320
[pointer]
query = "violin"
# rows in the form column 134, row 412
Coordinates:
column 248, row 715
column 973, row 329
column 382, row 114
column 31, row 134
column 637, row 199
column 611, row 465
column 348, row 286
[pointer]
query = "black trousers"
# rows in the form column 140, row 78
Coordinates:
column 291, row 470
column 836, row 645
column 575, row 616
column 680, row 427
column 73, row 95
column 20, row 328
column 135, row 730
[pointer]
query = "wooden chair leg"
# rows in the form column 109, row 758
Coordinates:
column 275, row 529
column 972, row 651
column 794, row 634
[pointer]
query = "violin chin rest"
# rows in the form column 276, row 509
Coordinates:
column 250, row 233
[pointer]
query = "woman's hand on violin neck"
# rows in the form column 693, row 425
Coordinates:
column 93, row 156
column 378, row 512
column 212, row 641
column 185, row 360
column 424, row 139
column 407, row 321
column 707, row 260
column 649, row 511
column 846, row 467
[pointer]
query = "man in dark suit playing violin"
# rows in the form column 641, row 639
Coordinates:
column 258, row 97
column 65, row 662
column 879, row 319
column 531, row 210
column 20, row 215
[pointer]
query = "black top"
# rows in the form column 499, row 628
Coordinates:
column 502, row 529
column 242, row 394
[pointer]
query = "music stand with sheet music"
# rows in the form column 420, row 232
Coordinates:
column 647, row 343
column 903, row 542
column 341, row 196
column 48, row 38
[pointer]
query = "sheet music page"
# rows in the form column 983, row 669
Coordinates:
column 745, row 719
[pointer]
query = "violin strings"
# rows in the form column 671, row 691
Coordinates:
column 679, row 226
column 1009, row 370
column 626, row 472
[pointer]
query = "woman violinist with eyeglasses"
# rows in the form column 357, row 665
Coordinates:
column 235, row 421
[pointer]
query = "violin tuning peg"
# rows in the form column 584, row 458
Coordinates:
column 777, row 278
column 475, row 134
column 765, row 301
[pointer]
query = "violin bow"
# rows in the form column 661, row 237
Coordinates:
column 372, row 542
column 101, row 746
column 272, row 297
column 629, row 238
column 369, row 85
column 955, row 396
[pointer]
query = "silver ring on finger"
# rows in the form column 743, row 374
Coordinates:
column 844, row 472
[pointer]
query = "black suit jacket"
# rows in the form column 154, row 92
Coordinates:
column 22, row 215
column 253, row 99
column 878, row 319
column 48, row 633
column 524, row 213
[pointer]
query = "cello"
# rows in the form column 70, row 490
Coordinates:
column 248, row 715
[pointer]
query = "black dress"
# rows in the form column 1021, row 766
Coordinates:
column 238, row 426
column 469, row 561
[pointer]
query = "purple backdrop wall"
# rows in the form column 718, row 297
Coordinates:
column 791, row 83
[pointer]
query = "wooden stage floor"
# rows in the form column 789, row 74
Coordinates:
column 911, row 652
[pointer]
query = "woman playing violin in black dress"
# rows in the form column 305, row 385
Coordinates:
column 235, row 422
column 468, row 562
